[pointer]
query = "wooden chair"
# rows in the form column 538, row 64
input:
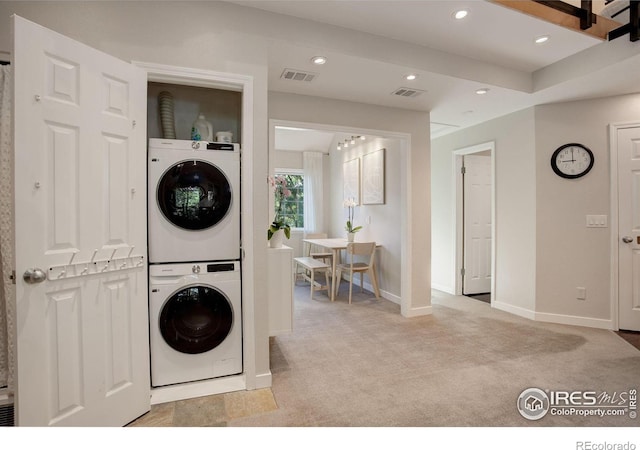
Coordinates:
column 311, row 266
column 351, row 266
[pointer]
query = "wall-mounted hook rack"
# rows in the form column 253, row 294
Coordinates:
column 87, row 268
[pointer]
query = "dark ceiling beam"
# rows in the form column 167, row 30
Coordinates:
column 633, row 27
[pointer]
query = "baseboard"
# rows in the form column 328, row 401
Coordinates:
column 417, row 312
column 562, row 319
column 517, row 310
column 263, row 380
column 195, row 389
column 579, row 321
column 369, row 287
column 443, row 288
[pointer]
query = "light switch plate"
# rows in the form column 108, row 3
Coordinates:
column 596, row 221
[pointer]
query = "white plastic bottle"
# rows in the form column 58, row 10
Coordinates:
column 201, row 130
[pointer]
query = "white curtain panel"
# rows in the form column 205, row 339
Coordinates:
column 313, row 203
column 7, row 289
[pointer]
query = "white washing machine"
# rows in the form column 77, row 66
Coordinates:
column 194, row 201
column 195, row 313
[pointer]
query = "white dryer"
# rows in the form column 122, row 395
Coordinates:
column 195, row 313
column 194, row 201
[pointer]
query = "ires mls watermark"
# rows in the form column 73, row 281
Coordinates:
column 534, row 403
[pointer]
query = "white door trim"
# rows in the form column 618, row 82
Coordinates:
column 613, row 166
column 241, row 83
column 458, row 257
column 406, row 308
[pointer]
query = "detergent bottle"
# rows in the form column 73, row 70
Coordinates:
column 201, row 130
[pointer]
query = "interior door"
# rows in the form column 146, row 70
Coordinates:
column 477, row 224
column 80, row 233
column 629, row 228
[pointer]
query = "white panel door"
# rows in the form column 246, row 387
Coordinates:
column 80, row 165
column 477, row 224
column 629, row 229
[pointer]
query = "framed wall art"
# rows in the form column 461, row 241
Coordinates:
column 373, row 178
column 351, row 180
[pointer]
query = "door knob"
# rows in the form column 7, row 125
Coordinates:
column 627, row 239
column 33, row 276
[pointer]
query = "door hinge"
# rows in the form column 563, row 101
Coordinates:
column 12, row 277
column 463, row 170
column 462, row 271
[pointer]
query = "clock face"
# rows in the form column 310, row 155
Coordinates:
column 572, row 161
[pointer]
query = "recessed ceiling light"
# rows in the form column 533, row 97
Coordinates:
column 541, row 39
column 319, row 60
column 482, row 91
column 411, row 77
column 460, row 14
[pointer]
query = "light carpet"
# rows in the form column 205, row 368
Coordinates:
column 464, row 365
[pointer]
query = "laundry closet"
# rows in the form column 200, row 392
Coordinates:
column 194, row 236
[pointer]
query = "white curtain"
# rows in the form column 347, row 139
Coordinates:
column 313, row 186
column 7, row 289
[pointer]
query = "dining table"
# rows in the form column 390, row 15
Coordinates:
column 335, row 245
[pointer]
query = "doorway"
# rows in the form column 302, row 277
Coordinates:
column 396, row 244
column 475, row 221
column 625, row 231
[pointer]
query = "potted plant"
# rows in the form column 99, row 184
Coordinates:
column 350, row 203
column 278, row 227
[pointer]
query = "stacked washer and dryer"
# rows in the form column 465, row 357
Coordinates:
column 195, row 307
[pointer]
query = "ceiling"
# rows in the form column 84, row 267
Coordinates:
column 371, row 45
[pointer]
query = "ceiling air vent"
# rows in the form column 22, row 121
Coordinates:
column 407, row 92
column 297, row 75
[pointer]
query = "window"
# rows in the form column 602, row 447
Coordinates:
column 292, row 210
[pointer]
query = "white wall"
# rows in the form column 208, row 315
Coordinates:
column 515, row 185
column 544, row 249
column 204, row 35
column 569, row 254
column 384, row 223
column 287, row 160
column 413, row 124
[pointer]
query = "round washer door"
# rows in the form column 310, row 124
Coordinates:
column 194, row 195
column 196, row 319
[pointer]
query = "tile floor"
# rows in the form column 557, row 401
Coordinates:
column 209, row 411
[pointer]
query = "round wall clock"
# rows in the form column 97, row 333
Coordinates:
column 572, row 161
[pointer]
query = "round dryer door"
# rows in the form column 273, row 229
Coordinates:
column 194, row 195
column 196, row 319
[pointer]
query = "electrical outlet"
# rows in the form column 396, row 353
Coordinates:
column 368, row 220
column 581, row 293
